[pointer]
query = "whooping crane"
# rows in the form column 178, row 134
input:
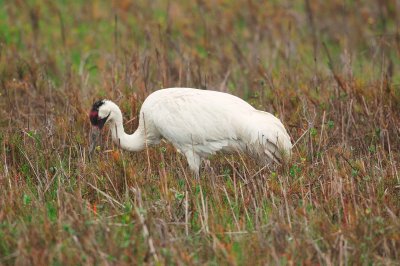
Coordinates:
column 198, row 123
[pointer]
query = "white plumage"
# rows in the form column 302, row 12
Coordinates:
column 198, row 123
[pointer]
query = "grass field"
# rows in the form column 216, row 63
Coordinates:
column 328, row 69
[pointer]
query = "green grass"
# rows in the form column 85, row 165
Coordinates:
column 330, row 73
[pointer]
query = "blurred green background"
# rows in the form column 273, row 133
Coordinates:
column 328, row 69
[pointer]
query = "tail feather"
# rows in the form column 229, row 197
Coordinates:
column 268, row 137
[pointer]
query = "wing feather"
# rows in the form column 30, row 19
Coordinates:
column 208, row 121
column 201, row 120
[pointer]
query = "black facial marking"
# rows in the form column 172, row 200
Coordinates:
column 102, row 121
column 97, row 105
column 94, row 115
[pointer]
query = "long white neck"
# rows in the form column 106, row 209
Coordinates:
column 134, row 142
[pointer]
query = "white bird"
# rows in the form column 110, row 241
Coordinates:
column 198, row 123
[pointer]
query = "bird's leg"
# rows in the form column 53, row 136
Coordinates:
column 194, row 161
column 196, row 175
column 207, row 165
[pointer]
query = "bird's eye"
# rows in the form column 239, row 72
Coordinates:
column 94, row 118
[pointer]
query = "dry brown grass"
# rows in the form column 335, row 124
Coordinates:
column 328, row 69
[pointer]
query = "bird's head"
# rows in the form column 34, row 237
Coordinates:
column 100, row 113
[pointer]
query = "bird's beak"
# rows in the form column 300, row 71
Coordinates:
column 94, row 139
column 101, row 122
